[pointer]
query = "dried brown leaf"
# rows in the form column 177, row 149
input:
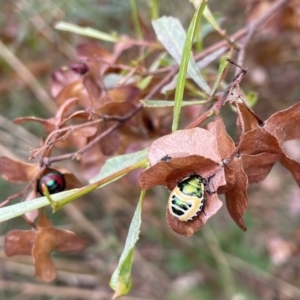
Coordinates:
column 258, row 166
column 75, row 90
column 125, row 93
column 44, row 267
column 87, row 131
column 19, row 242
column 50, row 124
column 92, row 51
column 17, row 170
column 285, row 124
column 258, row 141
column 225, row 143
column 170, row 173
column 196, row 141
column 60, row 79
column 293, row 166
column 236, row 198
column 93, row 88
column 91, row 161
column 250, row 121
column 226, row 148
column 110, row 143
column 116, row 109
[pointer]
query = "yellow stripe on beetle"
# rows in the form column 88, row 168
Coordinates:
column 187, row 199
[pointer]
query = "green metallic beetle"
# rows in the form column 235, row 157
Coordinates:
column 188, row 199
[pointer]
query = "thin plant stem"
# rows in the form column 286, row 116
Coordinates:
column 135, row 19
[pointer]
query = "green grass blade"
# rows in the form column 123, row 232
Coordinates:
column 165, row 103
column 211, row 19
column 121, row 279
column 135, row 19
column 222, row 68
column 171, row 34
column 112, row 166
column 16, row 210
column 86, row 31
column 184, row 65
column 154, row 9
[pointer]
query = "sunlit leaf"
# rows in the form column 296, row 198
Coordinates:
column 120, row 162
column 171, row 34
column 121, row 279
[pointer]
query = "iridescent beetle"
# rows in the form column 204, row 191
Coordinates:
column 54, row 180
column 188, row 197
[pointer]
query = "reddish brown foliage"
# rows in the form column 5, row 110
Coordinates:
column 39, row 242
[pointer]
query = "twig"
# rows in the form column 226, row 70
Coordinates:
column 253, row 26
column 250, row 29
column 22, row 193
column 76, row 155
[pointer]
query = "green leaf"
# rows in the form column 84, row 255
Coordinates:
column 120, row 162
column 113, row 165
column 135, row 19
column 222, row 67
column 86, row 31
column 171, row 34
column 164, row 103
column 201, row 64
column 184, row 65
column 121, row 279
column 16, row 210
column 251, row 98
column 208, row 15
column 207, row 28
column 211, row 19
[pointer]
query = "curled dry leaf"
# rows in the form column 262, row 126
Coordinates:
column 16, row 170
column 75, row 90
column 39, row 243
column 258, row 166
column 236, row 180
column 236, row 197
column 266, row 142
column 226, row 148
column 188, row 151
column 60, row 79
column 285, row 124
